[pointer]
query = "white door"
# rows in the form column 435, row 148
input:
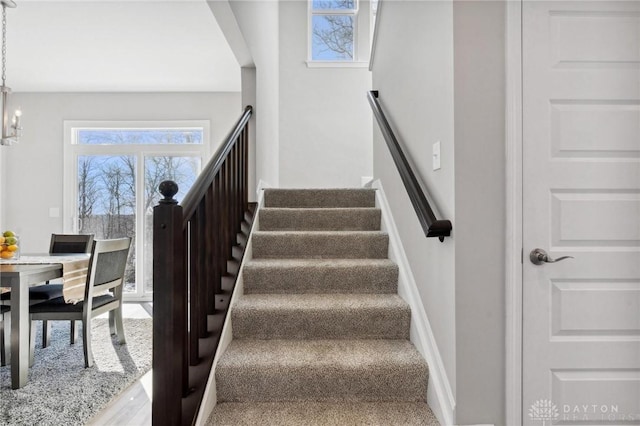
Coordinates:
column 581, row 198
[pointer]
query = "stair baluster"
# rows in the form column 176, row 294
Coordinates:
column 192, row 244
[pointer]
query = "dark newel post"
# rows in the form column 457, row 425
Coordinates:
column 169, row 308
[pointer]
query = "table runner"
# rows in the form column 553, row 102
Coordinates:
column 74, row 272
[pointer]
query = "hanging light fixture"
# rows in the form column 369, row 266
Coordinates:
column 10, row 132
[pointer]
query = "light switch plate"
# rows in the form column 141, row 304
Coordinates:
column 436, row 156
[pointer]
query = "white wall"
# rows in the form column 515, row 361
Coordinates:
column 2, row 190
column 313, row 124
column 258, row 21
column 480, row 90
column 325, row 121
column 439, row 67
column 33, row 169
column 415, row 86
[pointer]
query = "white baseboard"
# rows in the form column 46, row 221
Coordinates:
column 366, row 181
column 261, row 185
column 210, row 398
column 439, row 394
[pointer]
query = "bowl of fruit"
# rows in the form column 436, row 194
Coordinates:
column 9, row 247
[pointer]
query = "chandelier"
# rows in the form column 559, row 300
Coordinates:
column 10, row 132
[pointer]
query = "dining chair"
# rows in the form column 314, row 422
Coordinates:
column 4, row 335
column 60, row 244
column 106, row 273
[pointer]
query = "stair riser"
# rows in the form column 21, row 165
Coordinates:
column 392, row 323
column 322, row 414
column 306, row 383
column 327, row 279
column 319, row 219
column 325, row 246
column 327, row 198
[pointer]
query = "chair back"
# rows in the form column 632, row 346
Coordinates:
column 106, row 266
column 70, row 243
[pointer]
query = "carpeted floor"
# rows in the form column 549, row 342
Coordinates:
column 60, row 390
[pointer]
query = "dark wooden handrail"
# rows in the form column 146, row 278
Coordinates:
column 202, row 183
column 431, row 226
column 193, row 278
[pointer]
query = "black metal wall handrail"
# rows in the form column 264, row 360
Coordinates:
column 195, row 249
column 431, row 226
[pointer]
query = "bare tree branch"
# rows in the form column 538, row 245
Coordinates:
column 336, row 35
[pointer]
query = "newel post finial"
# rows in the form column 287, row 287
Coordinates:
column 168, row 189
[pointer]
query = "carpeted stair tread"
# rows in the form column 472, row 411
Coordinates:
column 322, row 414
column 321, row 316
column 320, row 335
column 320, row 244
column 321, row 370
column 335, row 197
column 313, row 219
column 269, row 276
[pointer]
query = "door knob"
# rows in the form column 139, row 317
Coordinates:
column 539, row 256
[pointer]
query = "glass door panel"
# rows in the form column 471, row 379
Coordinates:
column 107, row 202
column 183, row 171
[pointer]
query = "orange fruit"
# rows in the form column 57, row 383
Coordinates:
column 12, row 247
column 6, row 254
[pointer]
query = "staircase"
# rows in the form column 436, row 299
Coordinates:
column 320, row 336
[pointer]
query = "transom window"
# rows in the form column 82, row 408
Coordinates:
column 333, row 30
column 159, row 136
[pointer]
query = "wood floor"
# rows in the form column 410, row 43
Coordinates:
column 133, row 406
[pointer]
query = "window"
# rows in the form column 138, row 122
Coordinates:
column 112, row 173
column 333, row 29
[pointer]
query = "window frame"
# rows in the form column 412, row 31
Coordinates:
column 354, row 13
column 72, row 150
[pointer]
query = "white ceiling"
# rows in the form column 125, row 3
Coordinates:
column 117, row 46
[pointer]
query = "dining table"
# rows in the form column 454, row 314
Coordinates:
column 17, row 275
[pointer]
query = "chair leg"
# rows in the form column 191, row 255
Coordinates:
column 32, row 342
column 5, row 350
column 3, row 357
column 73, row 332
column 46, row 333
column 112, row 323
column 119, row 325
column 86, row 340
